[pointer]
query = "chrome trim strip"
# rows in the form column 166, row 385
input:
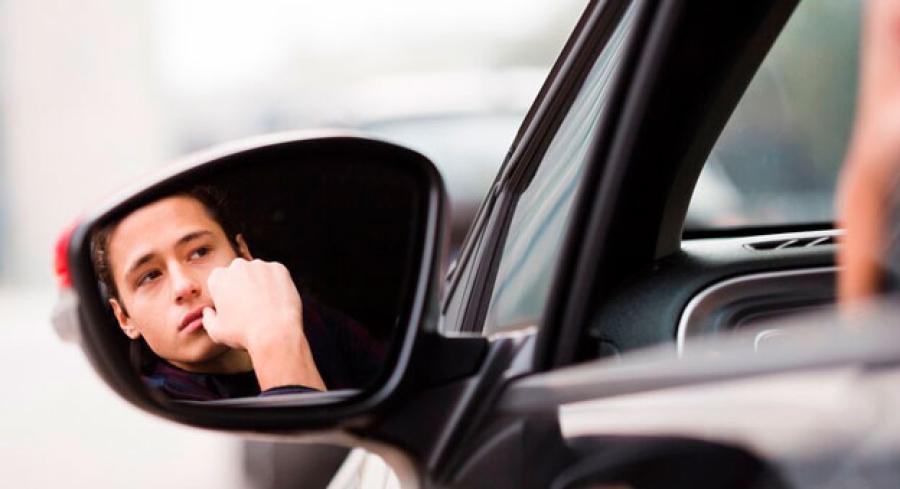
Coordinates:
column 819, row 241
column 786, row 244
column 750, row 241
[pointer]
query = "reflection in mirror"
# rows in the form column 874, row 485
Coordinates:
column 263, row 279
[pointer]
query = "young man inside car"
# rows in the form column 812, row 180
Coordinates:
column 218, row 323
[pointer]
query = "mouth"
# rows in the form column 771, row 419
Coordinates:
column 191, row 321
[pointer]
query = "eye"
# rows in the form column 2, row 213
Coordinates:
column 199, row 252
column 148, row 277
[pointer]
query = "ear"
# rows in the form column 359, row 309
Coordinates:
column 242, row 247
column 125, row 322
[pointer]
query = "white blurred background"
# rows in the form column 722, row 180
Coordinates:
column 95, row 93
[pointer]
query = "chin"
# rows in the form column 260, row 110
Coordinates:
column 202, row 350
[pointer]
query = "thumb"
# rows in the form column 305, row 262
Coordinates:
column 210, row 321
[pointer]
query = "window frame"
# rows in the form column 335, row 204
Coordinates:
column 480, row 256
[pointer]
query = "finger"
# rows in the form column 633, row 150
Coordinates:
column 213, row 282
column 210, row 321
column 880, row 72
column 214, row 276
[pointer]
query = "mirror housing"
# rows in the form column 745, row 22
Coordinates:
column 337, row 159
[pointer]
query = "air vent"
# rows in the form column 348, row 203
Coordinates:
column 791, row 243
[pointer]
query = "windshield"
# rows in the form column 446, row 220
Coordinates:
column 777, row 159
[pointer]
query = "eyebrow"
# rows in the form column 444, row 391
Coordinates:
column 149, row 256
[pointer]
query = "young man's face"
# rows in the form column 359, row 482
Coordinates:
column 160, row 258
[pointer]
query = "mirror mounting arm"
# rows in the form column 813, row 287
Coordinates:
column 439, row 359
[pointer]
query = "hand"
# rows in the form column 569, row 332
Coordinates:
column 255, row 302
column 258, row 309
column 872, row 166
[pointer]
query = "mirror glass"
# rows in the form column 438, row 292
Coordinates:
column 270, row 273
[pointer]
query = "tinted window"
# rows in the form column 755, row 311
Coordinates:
column 778, row 157
column 537, row 227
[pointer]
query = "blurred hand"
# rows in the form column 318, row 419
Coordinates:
column 872, row 166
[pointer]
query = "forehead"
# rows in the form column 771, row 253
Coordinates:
column 156, row 227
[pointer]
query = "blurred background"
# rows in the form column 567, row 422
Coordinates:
column 96, row 93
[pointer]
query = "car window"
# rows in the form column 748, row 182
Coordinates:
column 777, row 159
column 535, row 234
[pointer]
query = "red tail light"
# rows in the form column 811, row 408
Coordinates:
column 64, row 316
column 61, row 257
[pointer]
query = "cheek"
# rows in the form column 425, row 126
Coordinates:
column 221, row 260
column 151, row 298
column 223, row 256
column 150, row 315
column 204, row 270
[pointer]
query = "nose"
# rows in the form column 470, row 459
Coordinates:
column 185, row 286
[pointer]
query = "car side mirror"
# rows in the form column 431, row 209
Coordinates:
column 357, row 225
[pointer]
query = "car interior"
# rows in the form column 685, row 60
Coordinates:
column 765, row 249
column 736, row 117
column 719, row 285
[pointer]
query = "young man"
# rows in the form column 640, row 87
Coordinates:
column 221, row 323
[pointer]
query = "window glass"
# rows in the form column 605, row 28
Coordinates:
column 537, row 227
column 777, row 160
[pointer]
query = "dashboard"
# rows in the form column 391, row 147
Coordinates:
column 718, row 285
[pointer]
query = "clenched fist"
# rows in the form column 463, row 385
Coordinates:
column 258, row 309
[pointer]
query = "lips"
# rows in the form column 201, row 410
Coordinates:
column 192, row 321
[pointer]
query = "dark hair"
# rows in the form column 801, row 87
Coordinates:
column 215, row 204
column 213, row 200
